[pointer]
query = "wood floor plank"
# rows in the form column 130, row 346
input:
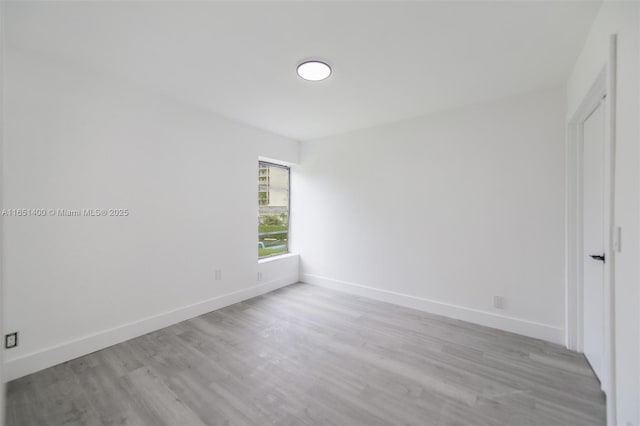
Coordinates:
column 306, row 355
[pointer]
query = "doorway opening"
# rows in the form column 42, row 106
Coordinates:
column 589, row 219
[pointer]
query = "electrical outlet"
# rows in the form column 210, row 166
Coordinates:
column 498, row 302
column 217, row 275
column 11, row 340
column 259, row 276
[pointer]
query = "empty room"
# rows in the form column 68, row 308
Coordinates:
column 348, row 213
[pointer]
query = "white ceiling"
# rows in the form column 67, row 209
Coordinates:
column 391, row 60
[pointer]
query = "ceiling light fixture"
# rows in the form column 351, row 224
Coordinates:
column 314, row 70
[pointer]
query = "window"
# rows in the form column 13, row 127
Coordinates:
column 273, row 209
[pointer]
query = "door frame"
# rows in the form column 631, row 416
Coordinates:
column 603, row 88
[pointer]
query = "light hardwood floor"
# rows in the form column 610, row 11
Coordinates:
column 307, row 355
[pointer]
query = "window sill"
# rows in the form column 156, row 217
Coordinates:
column 278, row 257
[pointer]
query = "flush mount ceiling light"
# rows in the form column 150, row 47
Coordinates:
column 314, row 70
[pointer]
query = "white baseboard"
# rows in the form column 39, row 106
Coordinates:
column 488, row 319
column 39, row 360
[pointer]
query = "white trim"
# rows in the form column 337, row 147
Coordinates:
column 276, row 161
column 609, row 195
column 489, row 319
column 41, row 359
column 270, row 259
column 603, row 87
column 638, row 236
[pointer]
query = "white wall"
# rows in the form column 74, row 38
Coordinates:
column 2, row 387
column 622, row 19
column 279, row 270
column 76, row 139
column 443, row 212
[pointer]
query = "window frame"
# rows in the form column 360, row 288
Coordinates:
column 288, row 168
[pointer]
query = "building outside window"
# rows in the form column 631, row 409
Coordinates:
column 273, row 209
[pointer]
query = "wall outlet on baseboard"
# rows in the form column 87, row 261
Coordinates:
column 11, row 340
column 498, row 302
column 217, row 274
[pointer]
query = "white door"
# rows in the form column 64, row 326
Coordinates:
column 593, row 239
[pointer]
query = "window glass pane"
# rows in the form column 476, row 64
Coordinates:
column 273, row 209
